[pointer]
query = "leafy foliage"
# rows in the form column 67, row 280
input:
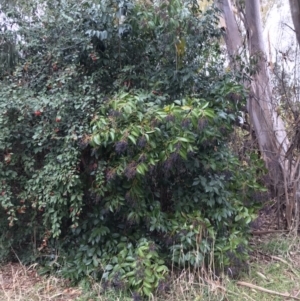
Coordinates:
column 114, row 144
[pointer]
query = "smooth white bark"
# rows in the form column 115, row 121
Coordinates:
column 267, row 124
column 233, row 40
column 272, row 135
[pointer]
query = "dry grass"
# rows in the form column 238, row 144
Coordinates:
column 18, row 282
column 275, row 266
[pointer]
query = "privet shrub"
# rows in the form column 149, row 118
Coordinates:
column 115, row 161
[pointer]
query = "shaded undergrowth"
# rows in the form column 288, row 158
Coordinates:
column 274, row 266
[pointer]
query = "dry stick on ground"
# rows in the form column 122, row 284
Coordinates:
column 285, row 262
column 259, row 288
column 268, row 232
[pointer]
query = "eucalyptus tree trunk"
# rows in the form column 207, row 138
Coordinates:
column 265, row 120
column 268, row 125
column 295, row 11
column 234, row 39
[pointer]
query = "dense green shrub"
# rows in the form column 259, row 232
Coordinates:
column 114, row 144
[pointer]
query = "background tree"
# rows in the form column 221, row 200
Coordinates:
column 265, row 119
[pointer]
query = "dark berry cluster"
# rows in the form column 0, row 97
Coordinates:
column 227, row 175
column 140, row 273
column 136, row 297
column 170, row 118
column 169, row 240
column 140, row 270
column 129, row 199
column 236, row 264
column 185, row 123
column 163, row 286
column 171, row 161
column 82, row 144
column 202, row 123
column 121, row 147
column 223, row 130
column 110, row 174
column 154, row 123
column 191, row 155
column 130, row 170
column 141, row 143
column 142, row 158
column 117, row 282
column 177, row 147
column 152, row 247
column 114, row 113
column 105, row 285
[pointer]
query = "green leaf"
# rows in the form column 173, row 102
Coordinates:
column 182, row 139
column 146, row 284
column 140, row 253
column 129, row 274
column 97, row 139
column 183, row 154
column 205, row 105
column 147, row 291
column 109, row 267
column 95, row 261
column 209, row 113
column 140, row 169
column 148, row 272
column 112, row 135
column 133, row 140
column 162, row 268
column 130, row 258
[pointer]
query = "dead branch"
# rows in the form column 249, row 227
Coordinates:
column 268, row 232
column 259, row 288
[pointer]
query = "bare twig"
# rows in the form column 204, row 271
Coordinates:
column 289, row 27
